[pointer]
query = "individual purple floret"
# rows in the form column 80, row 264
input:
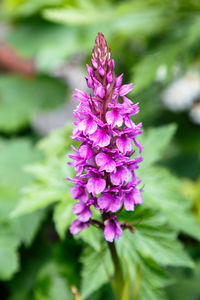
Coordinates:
column 105, row 176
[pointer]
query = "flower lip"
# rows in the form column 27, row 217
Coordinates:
column 105, row 162
column 96, row 185
column 112, row 229
column 77, row 226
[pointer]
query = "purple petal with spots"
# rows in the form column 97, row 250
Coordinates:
column 114, row 118
column 112, row 230
column 79, row 192
column 100, row 138
column 109, row 202
column 82, row 211
column 88, row 126
column 77, row 226
column 132, row 198
column 121, row 175
column 124, row 144
column 96, row 185
column 105, row 162
column 85, row 151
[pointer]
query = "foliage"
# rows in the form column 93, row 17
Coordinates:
column 154, row 243
column 25, row 97
column 13, row 232
column 39, row 259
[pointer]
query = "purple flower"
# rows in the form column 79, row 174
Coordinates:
column 105, row 162
column 88, row 126
column 124, row 144
column 121, row 176
column 109, row 202
column 105, row 175
column 100, row 138
column 125, row 89
column 79, row 192
column 78, row 226
column 83, row 211
column 112, row 229
column 114, row 118
column 96, row 185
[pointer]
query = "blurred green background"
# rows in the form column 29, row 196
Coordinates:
column 44, row 46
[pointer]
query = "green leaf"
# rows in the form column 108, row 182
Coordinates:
column 57, row 142
column 154, row 239
column 155, row 141
column 51, row 284
column 27, row 226
column 147, row 278
column 186, row 284
column 21, row 98
column 9, row 241
column 63, row 215
column 74, row 16
column 18, row 9
column 50, row 186
column 127, row 284
column 50, row 44
column 93, row 237
column 183, row 36
column 15, row 154
column 162, row 190
column 97, row 268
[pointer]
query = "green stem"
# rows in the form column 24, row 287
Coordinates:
column 137, row 283
column 118, row 276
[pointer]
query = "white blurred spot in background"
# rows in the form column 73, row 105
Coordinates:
column 161, row 73
column 195, row 112
column 183, row 94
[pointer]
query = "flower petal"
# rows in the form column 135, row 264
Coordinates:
column 85, row 152
column 120, row 176
column 78, row 192
column 104, row 201
column 114, row 118
column 116, row 204
column 105, row 162
column 88, row 126
column 109, row 77
column 125, row 89
column 77, row 226
column 78, row 208
column 129, row 201
column 109, row 232
column 99, row 91
column 137, row 196
column 118, row 81
column 85, row 215
column 80, row 95
column 96, row 185
column 118, row 230
column 124, row 144
column 100, row 138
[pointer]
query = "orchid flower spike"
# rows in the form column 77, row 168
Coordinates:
column 105, row 176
